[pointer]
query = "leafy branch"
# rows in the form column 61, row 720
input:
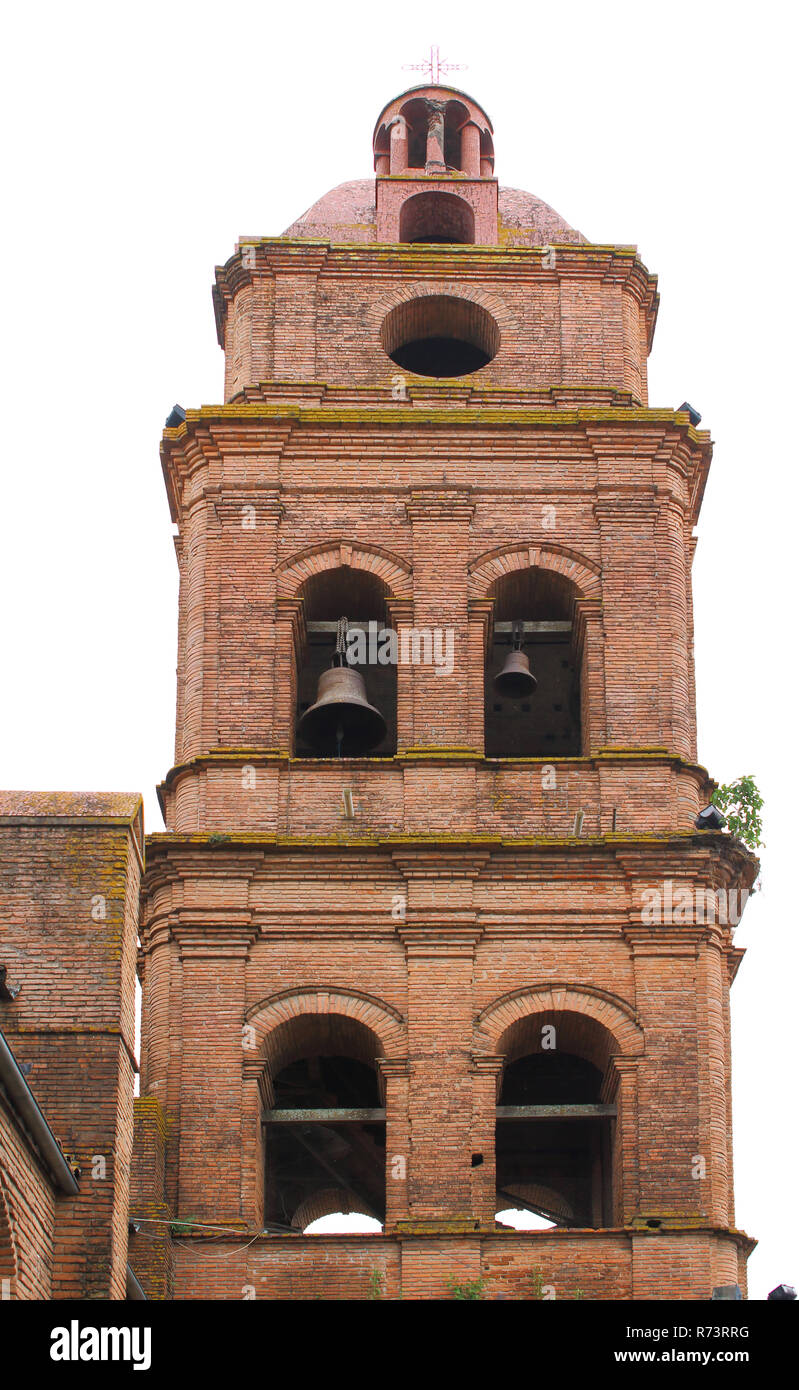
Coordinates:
column 740, row 803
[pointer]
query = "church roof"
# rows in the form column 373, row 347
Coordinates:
column 347, row 213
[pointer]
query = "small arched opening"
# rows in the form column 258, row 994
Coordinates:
column 437, row 217
column 440, row 335
column 416, row 117
column 455, row 118
column 382, row 151
column 363, row 710
column 537, row 716
column 555, row 1132
column 325, row 1131
column 486, row 154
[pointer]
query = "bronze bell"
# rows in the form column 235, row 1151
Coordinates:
column 342, row 721
column 515, row 681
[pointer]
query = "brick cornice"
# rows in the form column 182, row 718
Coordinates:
column 439, row 938
column 611, row 419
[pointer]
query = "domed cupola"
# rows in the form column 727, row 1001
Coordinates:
column 434, row 161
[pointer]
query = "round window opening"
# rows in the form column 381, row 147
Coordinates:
column 440, row 335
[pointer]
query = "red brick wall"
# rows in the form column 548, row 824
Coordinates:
column 562, row 1265
column 27, row 1215
column 266, row 905
column 69, row 873
column 313, row 314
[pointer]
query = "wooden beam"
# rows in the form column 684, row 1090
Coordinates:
column 554, row 1112
column 323, row 1117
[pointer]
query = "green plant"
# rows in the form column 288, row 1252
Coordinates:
column 183, row 1227
column 469, row 1289
column 536, row 1285
column 741, row 803
column 377, row 1281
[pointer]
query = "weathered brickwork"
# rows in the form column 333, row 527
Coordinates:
column 485, row 965
column 563, row 1264
column 70, row 868
column 430, row 912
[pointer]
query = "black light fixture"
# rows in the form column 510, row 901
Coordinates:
column 784, row 1293
column 710, row 819
column 693, row 415
column 175, row 417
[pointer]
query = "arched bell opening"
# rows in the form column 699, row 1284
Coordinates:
column 416, row 117
column 437, row 217
column 325, row 1130
column 347, row 676
column 382, row 151
column 455, row 118
column 486, row 154
column 532, row 678
column 556, row 1132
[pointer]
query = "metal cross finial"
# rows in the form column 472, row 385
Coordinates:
column 435, row 65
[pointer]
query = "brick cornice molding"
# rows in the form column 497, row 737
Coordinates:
column 205, row 934
column 672, row 938
column 437, row 937
column 487, row 1063
column 481, row 611
column 441, row 866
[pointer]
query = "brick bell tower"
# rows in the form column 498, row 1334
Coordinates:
column 432, row 934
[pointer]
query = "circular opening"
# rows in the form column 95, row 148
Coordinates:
column 439, row 335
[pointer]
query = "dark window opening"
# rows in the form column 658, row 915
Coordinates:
column 325, row 1133
column 558, row 1168
column 440, row 336
column 436, row 217
column 415, row 115
column 360, row 597
column 522, row 720
column 455, row 117
column 440, row 357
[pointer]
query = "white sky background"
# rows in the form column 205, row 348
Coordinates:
column 142, row 141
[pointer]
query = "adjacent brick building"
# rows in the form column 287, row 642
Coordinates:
column 70, row 869
column 468, row 953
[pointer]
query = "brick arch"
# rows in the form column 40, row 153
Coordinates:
column 612, row 1015
column 422, row 289
column 297, row 569
column 9, row 1268
column 275, row 1018
column 487, row 569
column 327, row 1202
